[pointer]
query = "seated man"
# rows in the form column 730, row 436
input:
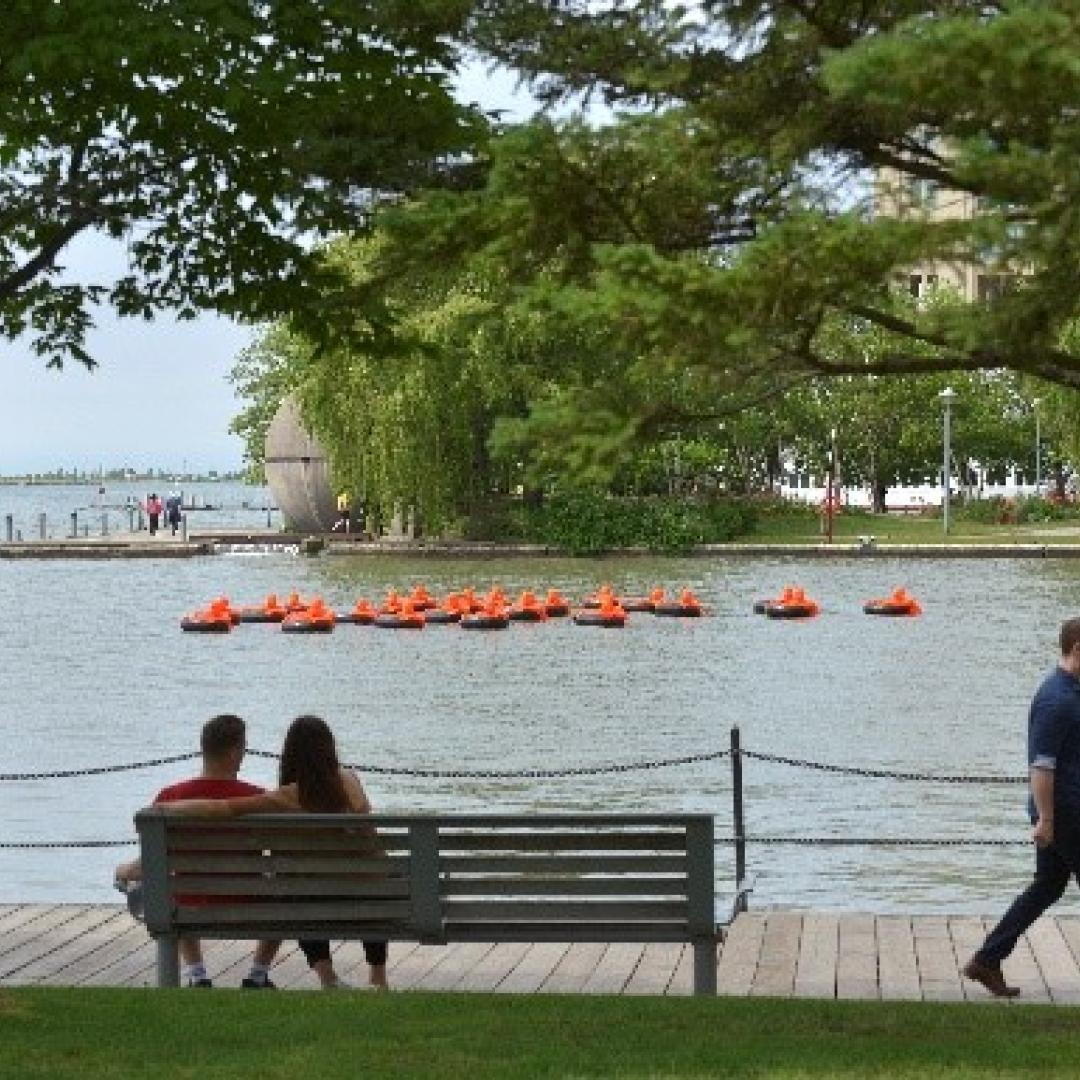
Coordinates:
column 223, row 743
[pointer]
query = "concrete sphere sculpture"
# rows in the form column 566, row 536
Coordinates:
column 298, row 473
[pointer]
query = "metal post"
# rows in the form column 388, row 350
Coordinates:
column 42, row 526
column 9, row 527
column 829, row 505
column 74, row 524
column 268, row 514
column 105, row 524
column 738, row 821
column 168, row 961
column 1038, row 449
column 948, row 396
column 183, row 527
column 131, row 519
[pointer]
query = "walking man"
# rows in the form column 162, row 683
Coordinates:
column 223, row 744
column 1054, row 806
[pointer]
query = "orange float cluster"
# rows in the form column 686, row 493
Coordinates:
column 793, row 603
column 416, row 609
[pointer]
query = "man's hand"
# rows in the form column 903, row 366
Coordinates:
column 1043, row 833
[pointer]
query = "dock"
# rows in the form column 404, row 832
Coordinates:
column 764, row 953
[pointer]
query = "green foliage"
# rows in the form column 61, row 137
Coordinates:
column 590, row 523
column 215, row 138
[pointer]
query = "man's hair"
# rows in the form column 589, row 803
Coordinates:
column 1070, row 635
column 222, row 734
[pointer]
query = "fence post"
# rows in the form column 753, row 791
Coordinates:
column 9, row 527
column 74, row 524
column 105, row 524
column 183, row 528
column 738, row 820
column 42, row 526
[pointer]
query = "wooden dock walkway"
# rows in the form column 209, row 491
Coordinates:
column 767, row 953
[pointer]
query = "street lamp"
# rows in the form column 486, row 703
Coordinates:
column 1038, row 447
column 947, row 396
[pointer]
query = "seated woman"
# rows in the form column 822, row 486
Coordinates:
column 311, row 779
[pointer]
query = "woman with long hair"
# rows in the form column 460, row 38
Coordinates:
column 310, row 779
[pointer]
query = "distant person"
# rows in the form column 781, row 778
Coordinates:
column 344, row 513
column 223, row 743
column 1054, row 808
column 172, row 511
column 312, row 779
column 153, row 510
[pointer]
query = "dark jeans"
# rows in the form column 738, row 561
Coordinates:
column 1054, row 866
column 374, row 952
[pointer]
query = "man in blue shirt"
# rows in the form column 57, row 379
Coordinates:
column 1054, row 806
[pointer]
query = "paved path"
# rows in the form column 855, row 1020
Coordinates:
column 774, row 953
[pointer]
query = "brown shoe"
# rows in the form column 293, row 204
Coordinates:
column 990, row 976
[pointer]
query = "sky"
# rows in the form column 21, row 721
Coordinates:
column 159, row 397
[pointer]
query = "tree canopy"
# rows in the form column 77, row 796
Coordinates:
column 215, row 138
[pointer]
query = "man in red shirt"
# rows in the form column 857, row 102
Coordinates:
column 223, row 744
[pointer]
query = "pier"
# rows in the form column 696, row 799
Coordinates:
column 764, row 953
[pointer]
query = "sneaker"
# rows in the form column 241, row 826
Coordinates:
column 200, row 984
column 990, row 976
column 257, row 984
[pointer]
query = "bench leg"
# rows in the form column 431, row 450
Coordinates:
column 705, row 966
column 168, row 960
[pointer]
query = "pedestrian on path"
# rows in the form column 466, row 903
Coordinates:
column 1054, row 808
column 153, row 510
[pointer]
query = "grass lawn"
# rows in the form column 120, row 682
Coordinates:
column 909, row 529
column 219, row 1034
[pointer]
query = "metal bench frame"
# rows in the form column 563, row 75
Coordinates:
column 433, row 878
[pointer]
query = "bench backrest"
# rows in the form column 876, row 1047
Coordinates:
column 445, row 877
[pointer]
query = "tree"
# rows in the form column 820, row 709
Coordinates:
column 215, row 138
column 720, row 226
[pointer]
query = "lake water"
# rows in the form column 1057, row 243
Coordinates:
column 222, row 505
column 94, row 670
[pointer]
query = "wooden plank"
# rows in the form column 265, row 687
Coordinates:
column 81, row 939
column 593, row 840
column 504, row 886
column 1055, row 961
column 740, row 954
column 33, row 937
column 26, row 914
column 1021, row 970
column 257, row 885
column 967, row 935
column 275, row 843
column 775, row 975
column 856, row 963
column 562, row 864
column 417, row 964
column 682, row 978
column 231, row 862
column 815, row 972
column 898, row 972
column 533, row 969
column 289, row 918
column 455, row 964
column 1069, row 928
column 656, row 968
column 939, row 979
column 565, row 911
column 495, row 966
column 574, row 969
column 615, row 969
column 127, row 937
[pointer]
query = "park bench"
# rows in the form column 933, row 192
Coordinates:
column 433, row 878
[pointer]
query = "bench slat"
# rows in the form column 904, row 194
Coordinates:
column 225, row 862
column 541, row 840
column 565, row 911
column 562, row 864
column 304, row 885
column 568, row 931
column 318, row 839
column 303, row 914
column 583, row 886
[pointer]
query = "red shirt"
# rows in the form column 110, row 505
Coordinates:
column 204, row 787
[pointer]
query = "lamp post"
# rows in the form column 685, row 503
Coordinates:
column 947, row 396
column 1038, row 448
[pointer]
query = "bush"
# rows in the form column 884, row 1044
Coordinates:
column 590, row 523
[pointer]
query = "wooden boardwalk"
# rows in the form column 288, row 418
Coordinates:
column 768, row 953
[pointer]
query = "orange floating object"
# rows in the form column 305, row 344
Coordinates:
column 688, row 606
column 529, row 608
column 900, row 602
column 792, row 604
column 556, row 605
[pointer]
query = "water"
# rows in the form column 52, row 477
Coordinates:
column 94, row 670
column 218, row 505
